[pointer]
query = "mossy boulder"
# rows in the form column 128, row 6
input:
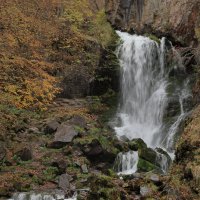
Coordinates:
column 148, row 154
column 150, row 159
column 97, row 152
column 146, row 166
column 136, row 144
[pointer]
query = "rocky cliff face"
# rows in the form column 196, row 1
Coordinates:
column 177, row 19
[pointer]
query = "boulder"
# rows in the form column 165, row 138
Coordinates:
column 51, row 127
column 64, row 135
column 64, row 182
column 163, row 154
column 25, row 154
column 136, row 144
column 148, row 154
column 146, row 166
column 150, row 159
column 93, row 149
column 124, row 138
column 95, row 152
column 120, row 145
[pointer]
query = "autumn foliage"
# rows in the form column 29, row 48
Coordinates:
column 41, row 38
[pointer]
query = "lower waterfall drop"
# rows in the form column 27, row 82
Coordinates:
column 144, row 99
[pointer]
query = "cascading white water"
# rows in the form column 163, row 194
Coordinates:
column 127, row 162
column 41, row 196
column 144, row 82
column 143, row 88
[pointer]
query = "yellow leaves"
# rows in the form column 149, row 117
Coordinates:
column 11, row 89
column 77, row 11
column 26, row 84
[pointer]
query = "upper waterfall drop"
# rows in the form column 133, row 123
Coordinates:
column 143, row 87
column 153, row 99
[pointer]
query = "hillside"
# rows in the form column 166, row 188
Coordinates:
column 60, row 92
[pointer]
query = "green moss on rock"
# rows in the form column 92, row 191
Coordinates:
column 145, row 166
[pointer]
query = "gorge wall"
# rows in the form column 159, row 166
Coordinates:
column 177, row 19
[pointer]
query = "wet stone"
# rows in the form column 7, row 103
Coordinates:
column 84, row 169
column 145, row 191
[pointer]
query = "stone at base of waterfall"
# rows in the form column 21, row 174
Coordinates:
column 151, row 160
column 95, row 152
column 120, row 145
column 136, row 144
column 145, row 191
column 124, row 138
column 146, row 166
column 148, row 154
column 64, row 135
column 162, row 152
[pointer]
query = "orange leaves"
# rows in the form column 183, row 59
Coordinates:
column 26, row 83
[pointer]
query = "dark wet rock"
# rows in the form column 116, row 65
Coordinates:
column 124, row 138
column 25, row 154
column 64, row 182
column 2, row 152
column 173, row 108
column 78, row 120
column 96, row 153
column 84, row 169
column 51, row 127
column 122, row 146
column 150, row 160
column 136, row 144
column 145, row 191
column 93, row 149
column 148, row 154
column 60, row 164
column 64, row 135
column 163, row 154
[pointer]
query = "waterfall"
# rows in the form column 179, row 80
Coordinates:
column 144, row 97
column 42, row 196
